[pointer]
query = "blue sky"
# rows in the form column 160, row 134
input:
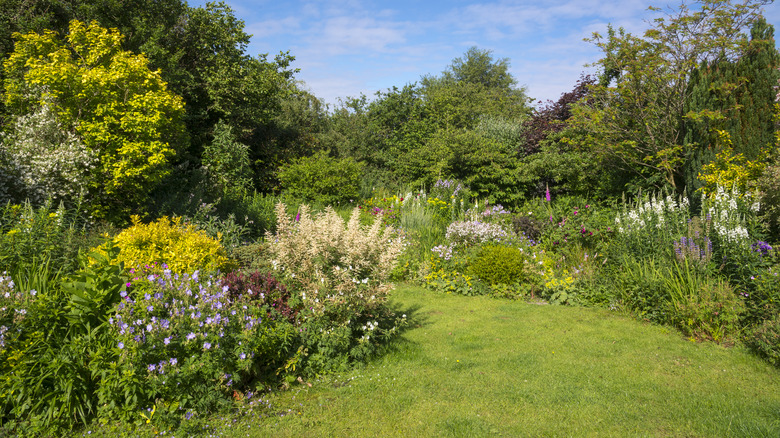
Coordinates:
column 348, row 47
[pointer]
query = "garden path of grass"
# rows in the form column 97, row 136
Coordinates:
column 475, row 366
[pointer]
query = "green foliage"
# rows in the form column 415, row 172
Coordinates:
column 769, row 185
column 765, row 340
column 448, row 275
column 168, row 244
column 122, row 111
column 61, row 349
column 227, row 161
column 322, row 179
column 702, row 308
column 762, row 296
column 498, row 264
column 478, row 67
column 638, row 119
column 29, row 235
column 733, row 98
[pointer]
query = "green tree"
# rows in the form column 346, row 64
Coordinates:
column 109, row 98
column 322, row 179
column 478, row 66
column 636, row 112
column 737, row 97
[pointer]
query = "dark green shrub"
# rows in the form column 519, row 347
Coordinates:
column 528, row 226
column 497, row 264
column 322, row 179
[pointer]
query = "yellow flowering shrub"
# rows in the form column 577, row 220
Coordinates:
column 730, row 169
column 183, row 248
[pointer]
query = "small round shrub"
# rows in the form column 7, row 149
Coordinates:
column 182, row 248
column 498, row 264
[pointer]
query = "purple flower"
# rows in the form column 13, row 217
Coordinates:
column 547, row 193
column 298, row 217
column 206, row 345
column 121, row 345
column 167, row 340
column 152, row 367
column 191, row 336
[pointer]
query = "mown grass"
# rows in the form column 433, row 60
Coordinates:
column 475, row 366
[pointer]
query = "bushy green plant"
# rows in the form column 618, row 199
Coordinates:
column 322, row 179
column 29, row 235
column 702, row 307
column 227, row 161
column 762, row 296
column 498, row 264
column 61, row 348
column 230, row 233
column 184, row 347
column 769, row 186
column 765, row 340
column 641, row 288
column 167, row 242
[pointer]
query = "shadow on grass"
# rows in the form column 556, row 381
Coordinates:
column 397, row 342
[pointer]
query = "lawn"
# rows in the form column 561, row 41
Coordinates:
column 474, row 366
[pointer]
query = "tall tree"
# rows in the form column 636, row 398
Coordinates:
column 122, row 111
column 634, row 115
column 737, row 97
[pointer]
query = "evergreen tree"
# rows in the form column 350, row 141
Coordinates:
column 735, row 96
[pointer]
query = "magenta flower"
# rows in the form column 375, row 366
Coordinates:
column 547, row 193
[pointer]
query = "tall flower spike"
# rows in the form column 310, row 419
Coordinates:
column 547, row 193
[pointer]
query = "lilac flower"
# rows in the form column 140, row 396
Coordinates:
column 151, row 367
column 547, row 193
column 206, row 345
column 173, row 361
column 121, row 345
column 191, row 336
column 167, row 340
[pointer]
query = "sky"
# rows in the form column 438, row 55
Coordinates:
column 345, row 48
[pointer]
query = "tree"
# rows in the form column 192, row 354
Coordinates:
column 478, row 67
column 108, row 97
column 733, row 97
column 634, row 115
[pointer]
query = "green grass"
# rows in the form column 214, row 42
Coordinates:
column 475, row 366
